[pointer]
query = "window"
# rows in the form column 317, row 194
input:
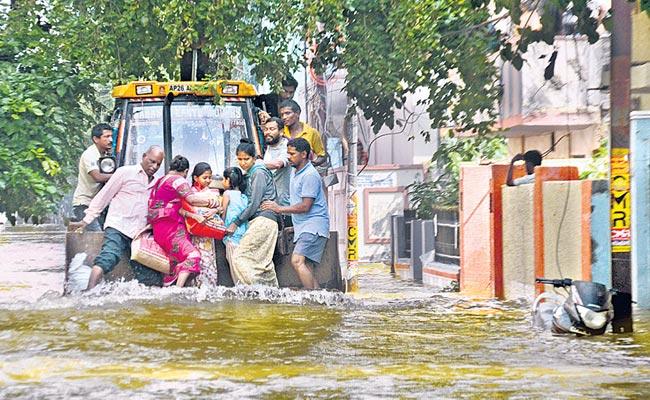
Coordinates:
column 208, row 132
column 145, row 129
column 201, row 131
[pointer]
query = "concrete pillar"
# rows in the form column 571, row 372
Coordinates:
column 397, row 242
column 542, row 175
column 640, row 187
column 401, row 230
column 481, row 256
column 416, row 250
column 566, row 235
column 601, row 250
column 518, row 242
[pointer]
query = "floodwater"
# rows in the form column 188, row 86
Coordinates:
column 392, row 339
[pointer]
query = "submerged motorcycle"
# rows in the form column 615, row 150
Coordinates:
column 585, row 310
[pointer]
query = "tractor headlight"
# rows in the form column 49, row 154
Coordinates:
column 107, row 165
column 592, row 319
column 230, row 89
column 142, row 90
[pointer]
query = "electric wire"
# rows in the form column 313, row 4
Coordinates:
column 406, row 123
column 568, row 189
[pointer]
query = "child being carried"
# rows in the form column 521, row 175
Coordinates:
column 233, row 203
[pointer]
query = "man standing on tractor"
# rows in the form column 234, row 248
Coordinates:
column 294, row 129
column 268, row 103
column 90, row 179
column 275, row 158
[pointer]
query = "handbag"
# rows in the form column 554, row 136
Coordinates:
column 212, row 227
column 147, row 252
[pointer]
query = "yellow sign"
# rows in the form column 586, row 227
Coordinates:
column 620, row 208
column 353, row 232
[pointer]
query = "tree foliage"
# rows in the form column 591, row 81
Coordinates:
column 122, row 40
column 55, row 55
column 44, row 107
column 598, row 167
column 442, row 187
column 392, row 48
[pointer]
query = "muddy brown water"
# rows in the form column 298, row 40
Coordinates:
column 391, row 339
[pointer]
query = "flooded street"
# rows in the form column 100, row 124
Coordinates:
column 391, row 339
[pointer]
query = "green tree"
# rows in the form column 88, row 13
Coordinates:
column 122, row 40
column 44, row 107
column 441, row 189
column 392, row 48
column 55, row 55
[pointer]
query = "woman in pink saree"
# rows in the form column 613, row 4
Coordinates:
column 169, row 229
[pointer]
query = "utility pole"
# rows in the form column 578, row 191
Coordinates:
column 350, row 272
column 621, row 49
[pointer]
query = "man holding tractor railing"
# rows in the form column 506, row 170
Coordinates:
column 268, row 103
column 308, row 211
column 90, row 179
column 294, row 129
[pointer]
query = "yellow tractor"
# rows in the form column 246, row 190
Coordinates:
column 203, row 121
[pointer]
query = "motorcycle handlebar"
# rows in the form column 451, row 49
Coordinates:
column 555, row 282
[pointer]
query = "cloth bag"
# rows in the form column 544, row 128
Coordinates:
column 147, row 252
column 78, row 274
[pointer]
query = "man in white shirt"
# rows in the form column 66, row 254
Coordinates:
column 276, row 159
column 90, row 179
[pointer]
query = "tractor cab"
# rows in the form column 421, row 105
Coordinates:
column 203, row 121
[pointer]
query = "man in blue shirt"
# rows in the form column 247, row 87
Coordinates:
column 308, row 209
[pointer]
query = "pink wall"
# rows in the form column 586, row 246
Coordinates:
column 480, row 230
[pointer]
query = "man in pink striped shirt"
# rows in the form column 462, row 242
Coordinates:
column 127, row 191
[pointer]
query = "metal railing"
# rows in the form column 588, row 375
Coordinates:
column 447, row 233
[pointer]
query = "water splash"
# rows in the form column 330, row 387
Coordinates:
column 112, row 294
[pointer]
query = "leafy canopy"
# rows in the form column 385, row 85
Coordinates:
column 391, row 48
column 57, row 56
column 44, row 103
